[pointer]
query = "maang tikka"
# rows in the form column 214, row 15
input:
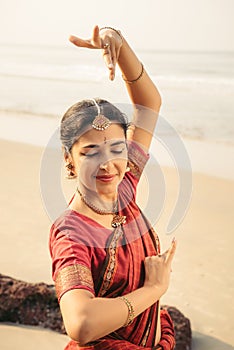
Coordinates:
column 100, row 121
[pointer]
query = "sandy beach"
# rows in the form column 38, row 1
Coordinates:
column 202, row 284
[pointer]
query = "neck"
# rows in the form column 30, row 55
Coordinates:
column 101, row 201
column 117, row 220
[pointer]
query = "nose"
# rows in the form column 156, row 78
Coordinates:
column 103, row 166
column 105, row 161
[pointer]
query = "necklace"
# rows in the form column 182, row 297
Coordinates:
column 117, row 219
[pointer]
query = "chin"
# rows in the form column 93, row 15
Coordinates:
column 107, row 188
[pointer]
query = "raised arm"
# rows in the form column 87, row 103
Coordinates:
column 143, row 94
column 141, row 89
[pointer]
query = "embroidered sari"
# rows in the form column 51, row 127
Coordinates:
column 110, row 263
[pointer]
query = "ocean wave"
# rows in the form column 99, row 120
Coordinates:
column 94, row 73
column 23, row 113
column 198, row 89
column 84, row 73
column 192, row 132
column 195, row 80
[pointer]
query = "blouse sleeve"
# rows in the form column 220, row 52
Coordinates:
column 137, row 159
column 71, row 261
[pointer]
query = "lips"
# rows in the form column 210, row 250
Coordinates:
column 105, row 178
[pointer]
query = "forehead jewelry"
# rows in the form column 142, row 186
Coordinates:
column 100, row 122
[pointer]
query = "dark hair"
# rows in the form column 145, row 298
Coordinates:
column 79, row 117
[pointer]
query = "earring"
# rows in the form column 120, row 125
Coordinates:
column 127, row 168
column 70, row 172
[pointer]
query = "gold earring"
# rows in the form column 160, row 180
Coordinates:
column 70, row 171
column 127, row 168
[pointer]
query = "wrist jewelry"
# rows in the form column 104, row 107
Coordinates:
column 131, row 313
column 135, row 80
column 115, row 30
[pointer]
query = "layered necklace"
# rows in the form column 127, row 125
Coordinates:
column 117, row 219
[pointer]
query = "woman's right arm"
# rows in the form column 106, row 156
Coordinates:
column 143, row 93
column 87, row 318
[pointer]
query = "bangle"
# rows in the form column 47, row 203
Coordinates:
column 115, row 30
column 131, row 313
column 135, row 80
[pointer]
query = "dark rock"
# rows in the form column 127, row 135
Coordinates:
column 182, row 326
column 29, row 303
column 36, row 304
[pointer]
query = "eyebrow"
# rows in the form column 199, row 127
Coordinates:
column 112, row 144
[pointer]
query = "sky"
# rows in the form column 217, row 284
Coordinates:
column 198, row 25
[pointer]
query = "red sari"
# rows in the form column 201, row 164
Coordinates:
column 110, row 263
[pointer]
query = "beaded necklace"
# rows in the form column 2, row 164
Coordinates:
column 117, row 219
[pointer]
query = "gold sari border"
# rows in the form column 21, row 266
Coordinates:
column 71, row 277
column 112, row 263
column 137, row 159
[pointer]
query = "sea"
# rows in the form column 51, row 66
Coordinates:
column 38, row 83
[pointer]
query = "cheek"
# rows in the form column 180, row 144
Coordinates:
column 88, row 169
column 122, row 165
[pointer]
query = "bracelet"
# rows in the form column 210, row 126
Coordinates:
column 135, row 80
column 115, row 30
column 131, row 313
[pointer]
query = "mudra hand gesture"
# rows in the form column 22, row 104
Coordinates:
column 158, row 269
column 109, row 40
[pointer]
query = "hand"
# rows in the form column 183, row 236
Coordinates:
column 158, row 269
column 107, row 40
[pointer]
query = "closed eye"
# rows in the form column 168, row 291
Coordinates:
column 118, row 150
column 89, row 154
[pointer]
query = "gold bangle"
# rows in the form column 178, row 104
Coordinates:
column 115, row 30
column 135, row 80
column 131, row 313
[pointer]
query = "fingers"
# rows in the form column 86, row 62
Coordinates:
column 80, row 42
column 96, row 40
column 169, row 254
column 114, row 54
column 93, row 43
column 108, row 51
column 107, row 43
column 117, row 54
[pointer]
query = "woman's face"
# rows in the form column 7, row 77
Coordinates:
column 100, row 160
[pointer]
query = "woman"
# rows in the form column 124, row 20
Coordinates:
column 108, row 271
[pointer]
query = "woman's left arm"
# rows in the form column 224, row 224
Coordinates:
column 143, row 94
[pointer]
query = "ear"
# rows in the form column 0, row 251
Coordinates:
column 66, row 155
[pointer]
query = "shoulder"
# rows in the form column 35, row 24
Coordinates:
column 74, row 228
column 67, row 227
column 65, row 223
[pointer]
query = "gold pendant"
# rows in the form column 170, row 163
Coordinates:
column 101, row 122
column 118, row 220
